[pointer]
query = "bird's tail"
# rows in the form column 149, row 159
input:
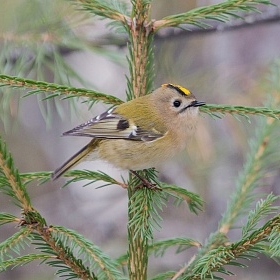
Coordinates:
column 76, row 158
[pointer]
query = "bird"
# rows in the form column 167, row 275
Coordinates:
column 139, row 134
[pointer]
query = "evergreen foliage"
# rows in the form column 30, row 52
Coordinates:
column 75, row 257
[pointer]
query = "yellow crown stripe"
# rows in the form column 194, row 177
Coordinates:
column 178, row 88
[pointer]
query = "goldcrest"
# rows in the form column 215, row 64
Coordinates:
column 141, row 133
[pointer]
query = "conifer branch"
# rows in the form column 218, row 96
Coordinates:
column 274, row 246
column 87, row 251
column 142, row 218
column 93, row 176
column 10, row 181
column 239, row 110
column 102, row 8
column 8, row 218
column 14, row 243
column 217, row 258
column 164, row 276
column 263, row 208
column 22, row 260
column 32, row 221
column 41, row 177
column 193, row 200
column 159, row 247
column 183, row 243
column 219, row 12
column 36, row 87
column 63, row 254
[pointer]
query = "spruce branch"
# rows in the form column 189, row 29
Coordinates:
column 65, row 260
column 219, row 12
column 244, row 111
column 88, row 252
column 164, row 276
column 22, row 260
column 263, row 208
column 143, row 218
column 41, row 177
column 8, row 218
column 32, row 222
column 193, row 200
column 41, row 235
column 104, row 8
column 274, row 239
column 14, row 243
column 78, row 175
column 93, row 176
column 143, row 215
column 159, row 247
column 10, row 181
column 55, row 90
column 247, row 21
column 218, row 257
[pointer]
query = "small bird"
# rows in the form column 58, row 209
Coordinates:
column 141, row 133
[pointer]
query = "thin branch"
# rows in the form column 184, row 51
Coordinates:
column 239, row 110
column 217, row 258
column 87, row 251
column 22, row 260
column 63, row 254
column 14, row 243
column 193, row 200
column 57, row 90
column 93, row 176
column 247, row 21
column 219, row 12
column 102, row 9
column 12, row 177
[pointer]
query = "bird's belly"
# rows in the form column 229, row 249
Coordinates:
column 136, row 155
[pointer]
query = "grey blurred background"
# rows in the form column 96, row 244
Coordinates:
column 227, row 67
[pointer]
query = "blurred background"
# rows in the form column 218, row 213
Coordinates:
column 51, row 41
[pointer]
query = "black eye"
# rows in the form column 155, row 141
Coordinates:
column 177, row 103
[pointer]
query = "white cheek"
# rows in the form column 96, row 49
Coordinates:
column 193, row 111
column 192, row 115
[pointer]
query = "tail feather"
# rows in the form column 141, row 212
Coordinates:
column 75, row 159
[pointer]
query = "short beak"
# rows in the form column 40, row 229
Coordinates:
column 196, row 104
column 193, row 104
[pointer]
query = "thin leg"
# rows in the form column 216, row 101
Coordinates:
column 145, row 182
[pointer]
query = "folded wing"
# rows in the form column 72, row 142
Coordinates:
column 110, row 125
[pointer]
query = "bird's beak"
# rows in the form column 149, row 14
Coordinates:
column 197, row 104
column 194, row 103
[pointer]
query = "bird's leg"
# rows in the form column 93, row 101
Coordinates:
column 145, row 182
